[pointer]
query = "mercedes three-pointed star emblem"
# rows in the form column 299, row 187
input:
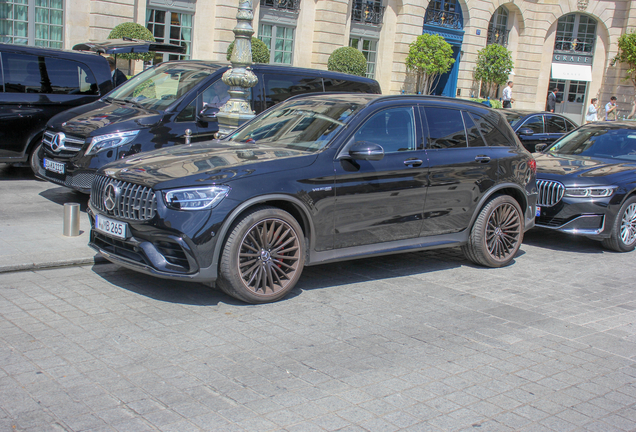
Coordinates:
column 110, row 197
column 57, row 143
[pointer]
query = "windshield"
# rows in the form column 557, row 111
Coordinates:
column 305, row 125
column 513, row 119
column 598, row 142
column 159, row 87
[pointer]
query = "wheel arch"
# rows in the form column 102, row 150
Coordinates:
column 287, row 203
column 511, row 189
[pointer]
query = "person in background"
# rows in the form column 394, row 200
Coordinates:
column 610, row 110
column 116, row 76
column 507, row 95
column 552, row 99
column 592, row 111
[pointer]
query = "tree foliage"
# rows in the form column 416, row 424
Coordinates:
column 348, row 60
column 429, row 57
column 627, row 55
column 260, row 52
column 134, row 31
column 494, row 64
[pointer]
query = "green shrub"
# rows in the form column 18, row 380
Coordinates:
column 348, row 60
column 429, row 57
column 494, row 64
column 495, row 103
column 134, row 31
column 260, row 52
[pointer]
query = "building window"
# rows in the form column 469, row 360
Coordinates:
column 367, row 11
column 170, row 27
column 444, row 13
column 280, row 41
column 32, row 22
column 369, row 48
column 575, row 33
column 498, row 28
column 291, row 5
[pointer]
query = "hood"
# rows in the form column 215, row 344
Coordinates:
column 211, row 162
column 108, row 117
column 582, row 171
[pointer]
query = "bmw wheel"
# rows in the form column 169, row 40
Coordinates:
column 623, row 236
column 263, row 256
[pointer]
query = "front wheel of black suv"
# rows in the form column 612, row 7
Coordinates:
column 496, row 234
column 623, row 236
column 263, row 256
column 34, row 159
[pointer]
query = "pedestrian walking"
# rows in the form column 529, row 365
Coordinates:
column 117, row 76
column 611, row 110
column 592, row 111
column 552, row 99
column 507, row 95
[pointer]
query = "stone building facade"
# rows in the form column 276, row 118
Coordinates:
column 568, row 43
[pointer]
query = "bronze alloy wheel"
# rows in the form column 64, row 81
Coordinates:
column 502, row 232
column 263, row 256
column 628, row 225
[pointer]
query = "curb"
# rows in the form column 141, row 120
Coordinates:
column 98, row 259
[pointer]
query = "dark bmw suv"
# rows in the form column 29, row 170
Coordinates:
column 169, row 104
column 317, row 179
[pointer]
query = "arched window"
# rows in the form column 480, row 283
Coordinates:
column 498, row 27
column 444, row 13
column 575, row 33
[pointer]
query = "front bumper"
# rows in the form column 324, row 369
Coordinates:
column 80, row 180
column 590, row 217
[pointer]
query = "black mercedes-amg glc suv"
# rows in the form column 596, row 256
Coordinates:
column 316, row 179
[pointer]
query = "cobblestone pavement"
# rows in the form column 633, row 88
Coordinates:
column 418, row 342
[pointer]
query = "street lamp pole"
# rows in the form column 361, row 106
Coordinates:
column 239, row 77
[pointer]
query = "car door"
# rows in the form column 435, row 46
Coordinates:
column 461, row 168
column 538, row 135
column 555, row 127
column 381, row 201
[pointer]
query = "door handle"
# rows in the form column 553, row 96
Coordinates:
column 413, row 162
column 482, row 159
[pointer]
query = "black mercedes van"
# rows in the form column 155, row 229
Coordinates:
column 37, row 83
column 164, row 106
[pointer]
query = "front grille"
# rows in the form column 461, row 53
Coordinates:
column 134, row 202
column 65, row 145
column 550, row 192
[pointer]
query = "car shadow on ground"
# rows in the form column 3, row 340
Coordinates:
column 10, row 172
column 62, row 195
column 558, row 241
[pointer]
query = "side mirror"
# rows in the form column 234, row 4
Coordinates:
column 525, row 131
column 365, row 150
column 208, row 114
column 540, row 147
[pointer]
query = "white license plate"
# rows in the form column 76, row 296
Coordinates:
column 56, row 167
column 111, row 227
column 538, row 211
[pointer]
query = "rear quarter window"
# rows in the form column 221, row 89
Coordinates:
column 492, row 136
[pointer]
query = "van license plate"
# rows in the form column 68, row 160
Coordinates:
column 56, row 167
column 111, row 227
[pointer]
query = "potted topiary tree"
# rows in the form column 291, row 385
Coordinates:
column 133, row 31
column 348, row 60
column 260, row 52
column 494, row 64
column 429, row 57
column 627, row 55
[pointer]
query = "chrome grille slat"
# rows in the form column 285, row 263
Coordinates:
column 129, row 205
column 71, row 144
column 550, row 192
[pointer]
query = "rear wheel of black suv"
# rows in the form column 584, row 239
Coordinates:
column 263, row 257
column 496, row 234
column 623, row 237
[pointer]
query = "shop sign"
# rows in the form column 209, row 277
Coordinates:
column 572, row 59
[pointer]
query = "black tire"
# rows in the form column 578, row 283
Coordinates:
column 34, row 159
column 496, row 234
column 623, row 235
column 263, row 256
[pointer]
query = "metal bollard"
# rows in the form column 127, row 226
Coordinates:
column 71, row 219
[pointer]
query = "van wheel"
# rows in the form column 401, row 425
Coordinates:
column 34, row 159
column 623, row 236
column 496, row 234
column 263, row 257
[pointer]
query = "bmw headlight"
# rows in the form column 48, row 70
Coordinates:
column 105, row 142
column 199, row 198
column 590, row 192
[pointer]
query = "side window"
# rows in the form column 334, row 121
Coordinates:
column 472, row 132
column 492, row 135
column 279, row 87
column 189, row 112
column 393, row 129
column 22, row 73
column 570, row 125
column 446, row 128
column 216, row 95
column 69, row 77
column 535, row 123
column 554, row 124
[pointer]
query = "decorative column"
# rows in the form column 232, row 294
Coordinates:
column 239, row 77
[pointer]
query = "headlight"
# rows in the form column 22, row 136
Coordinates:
column 196, row 198
column 590, row 192
column 105, row 142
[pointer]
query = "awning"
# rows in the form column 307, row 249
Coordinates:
column 567, row 71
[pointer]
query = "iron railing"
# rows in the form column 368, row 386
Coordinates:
column 367, row 13
column 290, row 5
column 443, row 18
column 498, row 36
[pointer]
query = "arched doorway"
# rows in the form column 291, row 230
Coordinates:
column 444, row 18
column 572, row 60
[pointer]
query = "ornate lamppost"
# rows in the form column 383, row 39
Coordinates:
column 239, row 77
